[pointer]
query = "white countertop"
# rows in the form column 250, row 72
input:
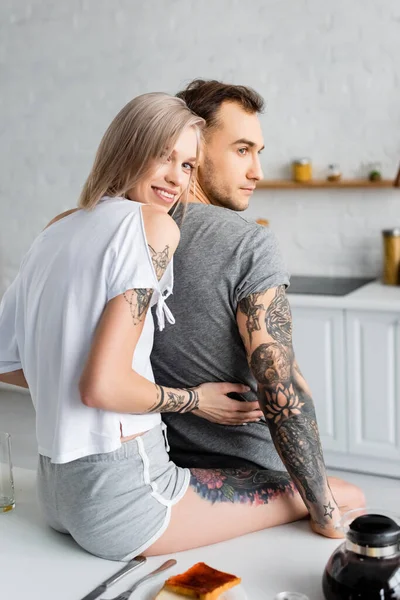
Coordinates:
column 372, row 296
column 37, row 563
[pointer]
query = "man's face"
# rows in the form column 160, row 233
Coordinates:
column 230, row 159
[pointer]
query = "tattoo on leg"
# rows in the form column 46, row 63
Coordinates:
column 138, row 300
column 244, row 486
column 249, row 307
column 160, row 260
column 278, row 318
column 179, row 401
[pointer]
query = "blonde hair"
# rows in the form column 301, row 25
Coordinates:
column 140, row 133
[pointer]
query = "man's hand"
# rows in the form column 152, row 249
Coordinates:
column 217, row 407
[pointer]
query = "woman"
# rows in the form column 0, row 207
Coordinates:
column 75, row 327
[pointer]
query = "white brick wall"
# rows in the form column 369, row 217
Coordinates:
column 329, row 71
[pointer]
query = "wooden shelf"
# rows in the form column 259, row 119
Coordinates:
column 287, row 184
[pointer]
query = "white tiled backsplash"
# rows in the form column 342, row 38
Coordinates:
column 329, row 72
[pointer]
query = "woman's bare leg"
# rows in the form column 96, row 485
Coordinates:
column 239, row 503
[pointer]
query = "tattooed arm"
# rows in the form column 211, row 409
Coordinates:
column 108, row 381
column 265, row 324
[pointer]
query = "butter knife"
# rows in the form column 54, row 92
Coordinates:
column 132, row 564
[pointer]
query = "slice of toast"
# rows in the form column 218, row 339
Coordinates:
column 201, row 582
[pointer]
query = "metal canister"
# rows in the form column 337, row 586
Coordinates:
column 391, row 256
column 302, row 170
column 291, row 596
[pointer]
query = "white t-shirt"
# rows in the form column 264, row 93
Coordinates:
column 49, row 314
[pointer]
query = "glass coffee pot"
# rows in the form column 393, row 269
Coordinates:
column 367, row 565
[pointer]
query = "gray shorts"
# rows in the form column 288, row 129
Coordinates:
column 117, row 504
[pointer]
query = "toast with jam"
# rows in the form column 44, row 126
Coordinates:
column 200, row 581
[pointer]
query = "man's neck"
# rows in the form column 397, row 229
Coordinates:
column 197, row 194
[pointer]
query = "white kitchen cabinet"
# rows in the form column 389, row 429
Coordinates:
column 318, row 339
column 351, row 359
column 373, row 382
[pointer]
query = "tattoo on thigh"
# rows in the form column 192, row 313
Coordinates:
column 278, row 318
column 160, row 260
column 138, row 300
column 242, row 486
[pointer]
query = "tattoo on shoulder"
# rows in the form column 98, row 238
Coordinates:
column 160, row 260
column 278, row 318
column 179, row 401
column 250, row 307
column 138, row 300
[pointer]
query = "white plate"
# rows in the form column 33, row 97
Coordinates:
column 236, row 593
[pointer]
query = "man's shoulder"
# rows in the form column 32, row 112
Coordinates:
column 223, row 219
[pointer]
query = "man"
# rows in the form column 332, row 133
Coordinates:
column 233, row 323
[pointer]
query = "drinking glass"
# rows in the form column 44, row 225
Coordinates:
column 7, row 497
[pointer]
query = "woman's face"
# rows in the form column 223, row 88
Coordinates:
column 170, row 177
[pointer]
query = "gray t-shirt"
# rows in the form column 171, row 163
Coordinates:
column 222, row 258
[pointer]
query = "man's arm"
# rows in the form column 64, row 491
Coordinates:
column 265, row 324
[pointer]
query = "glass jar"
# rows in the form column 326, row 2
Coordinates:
column 367, row 565
column 391, row 256
column 302, row 170
column 334, row 173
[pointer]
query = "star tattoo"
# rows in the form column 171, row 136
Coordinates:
column 328, row 510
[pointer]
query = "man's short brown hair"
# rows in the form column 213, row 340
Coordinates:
column 204, row 98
